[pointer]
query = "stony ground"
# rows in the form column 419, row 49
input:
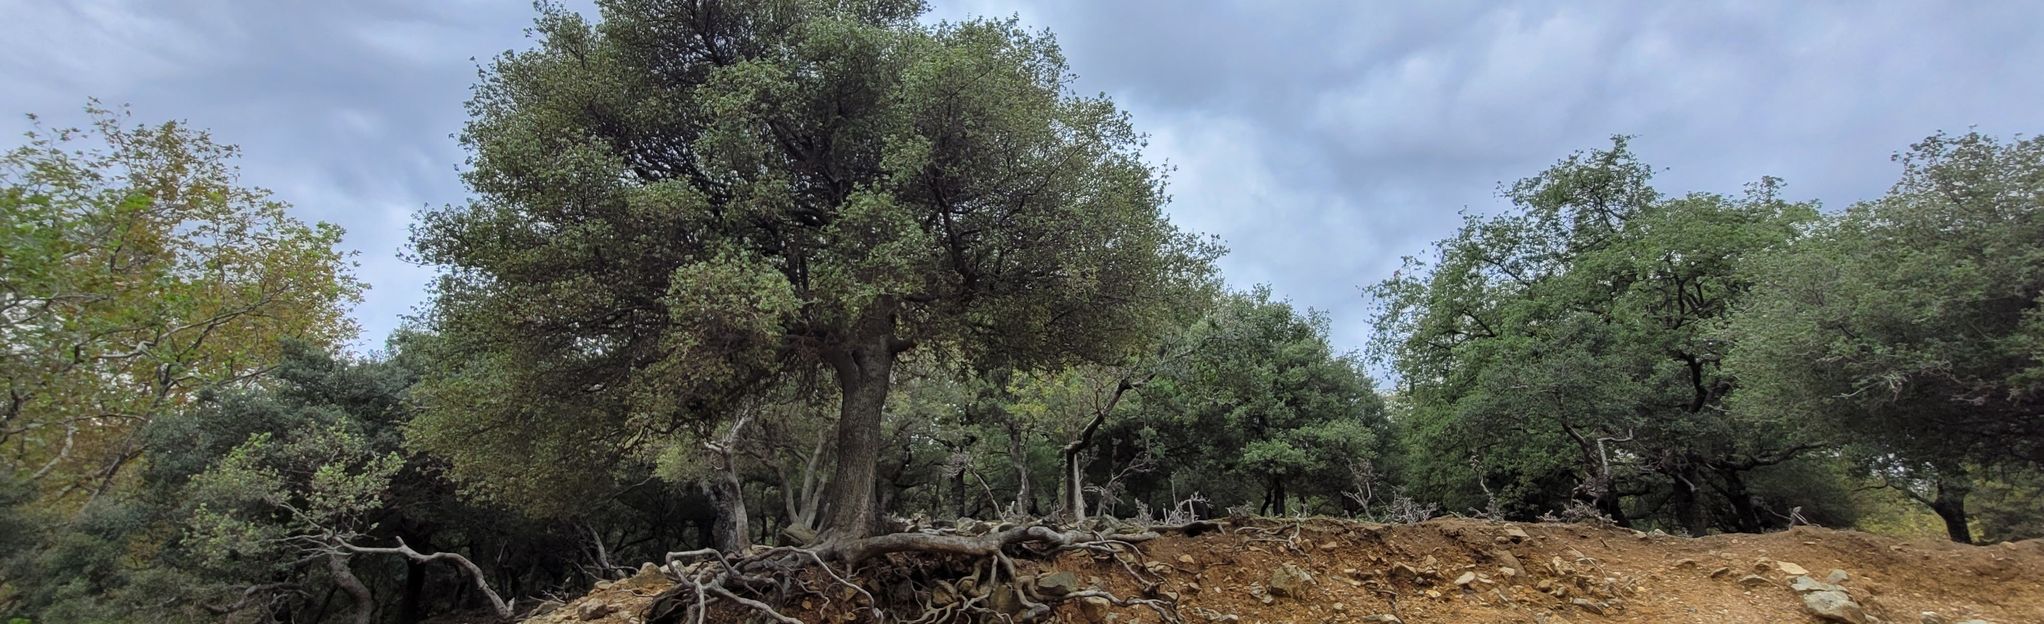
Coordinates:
column 1456, row 570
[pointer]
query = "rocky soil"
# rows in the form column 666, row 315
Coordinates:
column 1458, row 570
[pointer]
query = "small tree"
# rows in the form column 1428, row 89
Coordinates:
column 310, row 496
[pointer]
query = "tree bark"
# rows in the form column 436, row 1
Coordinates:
column 1950, row 506
column 863, row 375
column 1746, row 515
column 729, row 531
column 1018, row 457
column 475, row 573
column 344, row 576
column 1688, row 505
column 1073, row 488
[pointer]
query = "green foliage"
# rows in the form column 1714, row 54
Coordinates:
column 1261, row 394
column 1909, row 325
column 1914, row 318
column 665, row 221
column 136, row 271
column 1561, row 349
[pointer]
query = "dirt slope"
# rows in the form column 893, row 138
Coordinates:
column 1335, row 571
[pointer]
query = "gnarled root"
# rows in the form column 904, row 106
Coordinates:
column 936, row 576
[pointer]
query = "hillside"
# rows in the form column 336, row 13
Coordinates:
column 1459, row 570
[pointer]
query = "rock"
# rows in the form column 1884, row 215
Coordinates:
column 1685, row 564
column 1975, row 621
column 1790, row 568
column 1290, row 581
column 798, row 535
column 545, row 607
column 1158, row 568
column 1837, row 576
column 1588, row 605
column 1339, row 607
column 1507, row 559
column 1058, row 583
column 1930, row 617
column 1186, row 559
column 1720, row 572
column 1754, row 580
column 1095, row 609
column 1834, row 606
column 1517, row 534
column 594, row 610
column 1384, row 618
column 1465, row 579
column 1004, row 600
column 1804, row 584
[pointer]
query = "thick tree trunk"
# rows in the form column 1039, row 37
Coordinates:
column 1688, row 504
column 729, row 532
column 1745, row 514
column 412, row 606
column 1612, row 507
column 863, row 373
column 344, row 576
column 1950, row 506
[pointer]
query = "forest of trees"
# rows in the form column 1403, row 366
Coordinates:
column 794, row 272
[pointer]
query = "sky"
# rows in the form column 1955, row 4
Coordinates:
column 1322, row 141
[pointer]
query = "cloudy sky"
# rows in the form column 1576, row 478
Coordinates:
column 1321, row 140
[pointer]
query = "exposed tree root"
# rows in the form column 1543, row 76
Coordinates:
column 933, row 576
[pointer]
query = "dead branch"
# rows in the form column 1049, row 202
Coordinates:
column 475, row 573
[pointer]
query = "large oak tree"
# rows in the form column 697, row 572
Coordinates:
column 688, row 199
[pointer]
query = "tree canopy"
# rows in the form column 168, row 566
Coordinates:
column 1912, row 323
column 686, row 200
column 139, row 271
column 1563, row 350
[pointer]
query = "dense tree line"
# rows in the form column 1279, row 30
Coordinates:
column 797, row 272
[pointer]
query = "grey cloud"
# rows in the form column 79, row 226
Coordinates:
column 1321, row 140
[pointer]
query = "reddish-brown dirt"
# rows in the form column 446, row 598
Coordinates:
column 1557, row 573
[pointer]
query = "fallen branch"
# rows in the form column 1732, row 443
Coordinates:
column 475, row 573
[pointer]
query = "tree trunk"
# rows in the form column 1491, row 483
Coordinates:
column 961, row 496
column 1746, row 515
column 1018, row 457
column 863, row 373
column 412, row 606
column 1950, row 505
column 728, row 532
column 344, row 576
column 1688, row 505
column 1612, row 507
